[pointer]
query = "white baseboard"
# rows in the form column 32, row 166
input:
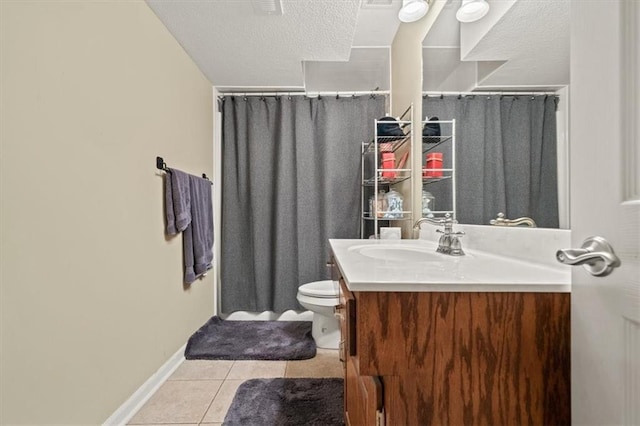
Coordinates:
column 130, row 407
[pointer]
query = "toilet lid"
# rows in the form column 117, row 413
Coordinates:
column 319, row 289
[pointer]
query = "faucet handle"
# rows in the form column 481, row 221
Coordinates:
column 498, row 220
column 458, row 233
column 448, row 220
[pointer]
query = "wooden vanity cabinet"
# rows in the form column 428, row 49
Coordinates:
column 421, row 358
column 362, row 394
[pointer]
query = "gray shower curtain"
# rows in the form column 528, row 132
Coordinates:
column 505, row 154
column 291, row 180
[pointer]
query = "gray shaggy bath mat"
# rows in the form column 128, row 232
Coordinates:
column 287, row 402
column 242, row 340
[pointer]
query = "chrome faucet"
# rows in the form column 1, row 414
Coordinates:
column 503, row 221
column 449, row 242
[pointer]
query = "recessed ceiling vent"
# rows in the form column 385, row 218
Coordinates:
column 375, row 4
column 267, row 7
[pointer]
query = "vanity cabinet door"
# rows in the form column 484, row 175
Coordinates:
column 363, row 397
column 353, row 404
column 372, row 400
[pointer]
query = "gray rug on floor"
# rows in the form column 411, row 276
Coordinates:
column 287, row 402
column 242, row 340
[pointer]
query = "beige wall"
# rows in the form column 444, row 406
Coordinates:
column 91, row 293
column 406, row 89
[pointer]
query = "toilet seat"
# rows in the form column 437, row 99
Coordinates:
column 319, row 289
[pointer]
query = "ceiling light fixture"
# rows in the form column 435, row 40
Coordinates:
column 412, row 10
column 472, row 10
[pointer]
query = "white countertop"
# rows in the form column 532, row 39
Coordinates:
column 477, row 271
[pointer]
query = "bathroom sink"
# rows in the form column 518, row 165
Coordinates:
column 397, row 253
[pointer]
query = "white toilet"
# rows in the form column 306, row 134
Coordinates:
column 321, row 297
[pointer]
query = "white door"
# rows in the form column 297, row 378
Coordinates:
column 605, row 202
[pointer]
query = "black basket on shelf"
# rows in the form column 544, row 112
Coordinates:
column 389, row 130
column 431, row 131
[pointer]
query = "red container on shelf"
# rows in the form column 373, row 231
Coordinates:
column 388, row 162
column 433, row 166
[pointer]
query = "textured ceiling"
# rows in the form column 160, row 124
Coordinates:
column 368, row 68
column 343, row 45
column 520, row 44
column 234, row 46
column 377, row 25
column 533, row 39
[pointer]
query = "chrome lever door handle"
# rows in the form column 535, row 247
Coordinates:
column 596, row 255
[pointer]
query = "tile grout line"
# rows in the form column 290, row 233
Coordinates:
column 210, row 404
column 217, row 392
column 289, row 366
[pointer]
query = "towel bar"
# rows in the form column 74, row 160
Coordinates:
column 161, row 165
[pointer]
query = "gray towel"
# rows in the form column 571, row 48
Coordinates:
column 177, row 201
column 188, row 210
column 197, row 238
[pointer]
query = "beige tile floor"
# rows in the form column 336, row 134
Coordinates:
column 200, row 392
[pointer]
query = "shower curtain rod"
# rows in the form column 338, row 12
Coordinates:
column 308, row 94
column 381, row 92
column 488, row 93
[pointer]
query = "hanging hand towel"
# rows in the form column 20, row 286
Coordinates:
column 197, row 238
column 177, row 201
